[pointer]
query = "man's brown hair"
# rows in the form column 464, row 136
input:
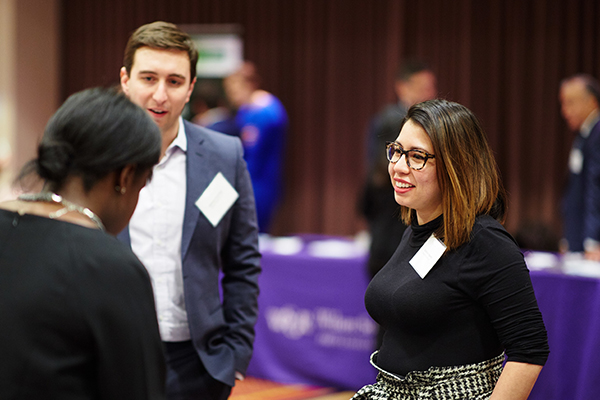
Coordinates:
column 160, row 35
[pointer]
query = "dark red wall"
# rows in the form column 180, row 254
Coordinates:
column 332, row 61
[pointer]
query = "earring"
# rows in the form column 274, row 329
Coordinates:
column 120, row 189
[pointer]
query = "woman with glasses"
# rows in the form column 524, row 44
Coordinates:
column 456, row 295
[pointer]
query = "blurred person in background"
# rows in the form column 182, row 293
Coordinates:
column 415, row 82
column 579, row 99
column 210, row 110
column 263, row 124
column 77, row 309
column 195, row 225
column 456, row 295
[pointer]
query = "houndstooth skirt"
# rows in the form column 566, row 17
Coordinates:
column 472, row 382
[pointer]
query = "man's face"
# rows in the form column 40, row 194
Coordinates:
column 160, row 83
column 576, row 103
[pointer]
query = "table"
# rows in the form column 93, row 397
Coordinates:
column 313, row 327
column 570, row 306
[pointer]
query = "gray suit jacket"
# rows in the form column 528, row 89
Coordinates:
column 222, row 330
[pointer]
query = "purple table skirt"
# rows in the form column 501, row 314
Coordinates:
column 313, row 327
column 570, row 306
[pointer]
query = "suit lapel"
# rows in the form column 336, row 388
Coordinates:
column 198, row 176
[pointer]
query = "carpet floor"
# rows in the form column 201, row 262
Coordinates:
column 260, row 389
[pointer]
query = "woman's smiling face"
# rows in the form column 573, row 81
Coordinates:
column 418, row 190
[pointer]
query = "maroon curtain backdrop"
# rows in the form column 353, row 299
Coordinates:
column 332, row 62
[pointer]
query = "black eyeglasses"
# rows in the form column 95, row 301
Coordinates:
column 415, row 159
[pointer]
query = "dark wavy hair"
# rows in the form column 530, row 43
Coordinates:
column 95, row 132
column 466, row 169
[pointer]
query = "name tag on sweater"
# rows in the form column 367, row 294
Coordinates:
column 431, row 251
column 217, row 199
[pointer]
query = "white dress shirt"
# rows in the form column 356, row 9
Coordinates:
column 155, row 230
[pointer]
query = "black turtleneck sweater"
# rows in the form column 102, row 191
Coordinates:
column 474, row 303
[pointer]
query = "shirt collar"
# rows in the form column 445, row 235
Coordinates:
column 180, row 140
column 589, row 123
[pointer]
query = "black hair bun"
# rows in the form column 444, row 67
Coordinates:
column 54, row 161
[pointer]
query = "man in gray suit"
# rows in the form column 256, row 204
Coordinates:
column 195, row 220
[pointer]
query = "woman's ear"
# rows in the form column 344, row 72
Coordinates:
column 125, row 179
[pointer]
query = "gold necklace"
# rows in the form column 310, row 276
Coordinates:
column 49, row 197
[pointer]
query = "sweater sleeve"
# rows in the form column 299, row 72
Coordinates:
column 502, row 285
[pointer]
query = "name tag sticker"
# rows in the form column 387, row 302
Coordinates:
column 576, row 161
column 217, row 199
column 431, row 251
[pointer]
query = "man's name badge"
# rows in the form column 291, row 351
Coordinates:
column 431, row 251
column 217, row 199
